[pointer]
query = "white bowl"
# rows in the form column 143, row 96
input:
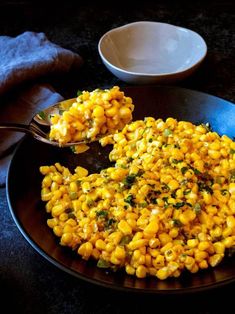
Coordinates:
column 151, row 52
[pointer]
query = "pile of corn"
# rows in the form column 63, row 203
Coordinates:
column 93, row 114
column 167, row 205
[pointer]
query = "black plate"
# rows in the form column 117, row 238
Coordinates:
column 24, row 179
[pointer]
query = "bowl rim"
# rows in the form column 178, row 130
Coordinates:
column 166, row 74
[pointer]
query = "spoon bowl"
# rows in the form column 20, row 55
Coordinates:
column 40, row 124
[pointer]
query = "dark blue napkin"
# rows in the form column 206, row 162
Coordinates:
column 31, row 55
column 26, row 58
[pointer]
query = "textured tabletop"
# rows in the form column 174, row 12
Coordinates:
column 30, row 283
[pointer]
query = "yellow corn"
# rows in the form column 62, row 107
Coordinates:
column 167, row 203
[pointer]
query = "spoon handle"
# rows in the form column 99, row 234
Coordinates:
column 15, row 127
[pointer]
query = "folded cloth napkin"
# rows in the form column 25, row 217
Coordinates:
column 31, row 55
column 24, row 59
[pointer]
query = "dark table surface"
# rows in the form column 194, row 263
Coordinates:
column 29, row 283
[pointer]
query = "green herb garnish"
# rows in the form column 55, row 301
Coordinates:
column 61, row 111
column 165, row 199
column 110, row 223
column 196, row 171
column 125, row 240
column 71, row 215
column 102, row 213
column 103, row 264
column 176, row 161
column 130, row 200
column 178, row 205
column 143, row 204
column 187, row 191
column 202, row 186
column 165, row 187
column 184, row 170
column 153, row 200
column 177, row 223
column 129, row 180
column 42, row 115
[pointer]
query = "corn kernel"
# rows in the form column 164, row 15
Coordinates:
column 152, row 227
column 124, row 227
column 100, row 244
column 141, row 271
column 85, row 250
column 130, row 270
column 133, row 245
column 215, row 259
column 120, row 252
column 162, row 273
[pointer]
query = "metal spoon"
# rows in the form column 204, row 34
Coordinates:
column 39, row 126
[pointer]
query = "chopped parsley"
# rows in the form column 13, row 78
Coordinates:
column 178, row 205
column 184, row 170
column 125, row 240
column 71, row 215
column 165, row 187
column 130, row 200
column 165, row 199
column 130, row 159
column 103, row 264
column 196, row 171
column 42, row 115
column 143, row 204
column 153, row 200
column 187, row 191
column 61, row 111
column 110, row 223
column 129, row 180
column 177, row 223
column 102, row 213
column 176, row 161
column 203, row 186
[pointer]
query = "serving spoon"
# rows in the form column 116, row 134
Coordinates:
column 39, row 126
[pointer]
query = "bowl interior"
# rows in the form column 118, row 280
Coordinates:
column 152, row 48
